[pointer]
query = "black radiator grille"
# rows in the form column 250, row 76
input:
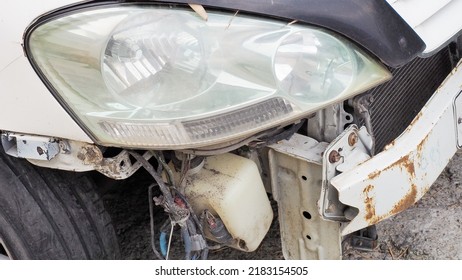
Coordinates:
column 398, row 101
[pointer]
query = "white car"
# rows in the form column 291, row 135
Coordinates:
column 345, row 111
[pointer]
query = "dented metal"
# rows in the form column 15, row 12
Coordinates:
column 396, row 178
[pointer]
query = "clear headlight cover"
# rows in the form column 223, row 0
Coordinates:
column 157, row 77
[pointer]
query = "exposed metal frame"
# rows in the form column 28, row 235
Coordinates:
column 296, row 176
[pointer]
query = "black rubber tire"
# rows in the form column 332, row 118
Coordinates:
column 52, row 214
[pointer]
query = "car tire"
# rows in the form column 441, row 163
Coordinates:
column 51, row 214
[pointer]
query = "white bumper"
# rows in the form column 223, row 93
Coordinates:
column 396, row 178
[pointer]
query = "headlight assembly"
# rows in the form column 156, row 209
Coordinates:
column 159, row 77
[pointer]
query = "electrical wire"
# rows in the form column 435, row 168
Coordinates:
column 160, row 158
column 151, row 215
column 181, row 215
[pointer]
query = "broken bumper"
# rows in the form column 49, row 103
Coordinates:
column 396, row 178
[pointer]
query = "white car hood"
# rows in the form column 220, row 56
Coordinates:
column 436, row 21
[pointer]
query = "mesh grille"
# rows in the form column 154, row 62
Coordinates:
column 398, row 101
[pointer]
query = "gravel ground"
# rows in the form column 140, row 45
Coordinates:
column 431, row 229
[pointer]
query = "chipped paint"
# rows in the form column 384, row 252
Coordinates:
column 369, row 204
column 416, row 119
column 390, row 145
column 421, row 145
column 90, row 155
column 374, row 174
column 407, row 201
column 404, row 163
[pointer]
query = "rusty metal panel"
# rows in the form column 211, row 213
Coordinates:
column 296, row 177
column 400, row 175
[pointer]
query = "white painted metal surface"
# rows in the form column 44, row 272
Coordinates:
column 436, row 21
column 30, row 146
column 27, row 105
column 399, row 176
column 296, row 175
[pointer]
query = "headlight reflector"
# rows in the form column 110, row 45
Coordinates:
column 157, row 77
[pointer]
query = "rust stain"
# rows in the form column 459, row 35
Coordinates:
column 374, row 174
column 352, row 139
column 407, row 201
column 90, row 155
column 370, row 216
column 368, row 189
column 421, row 145
column 417, row 118
column 404, row 163
column 390, row 145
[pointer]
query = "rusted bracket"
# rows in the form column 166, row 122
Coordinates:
column 349, row 149
column 69, row 155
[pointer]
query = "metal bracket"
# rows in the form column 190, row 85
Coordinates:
column 328, row 123
column 120, row 167
column 296, row 172
column 364, row 239
column 69, row 155
column 30, row 146
column 350, row 148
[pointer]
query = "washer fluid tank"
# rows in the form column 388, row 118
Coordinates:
column 230, row 188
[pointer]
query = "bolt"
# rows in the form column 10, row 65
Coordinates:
column 334, row 156
column 352, row 139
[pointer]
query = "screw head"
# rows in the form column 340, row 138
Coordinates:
column 352, row 139
column 334, row 156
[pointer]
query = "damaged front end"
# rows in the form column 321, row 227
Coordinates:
column 222, row 107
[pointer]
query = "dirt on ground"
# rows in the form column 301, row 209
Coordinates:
column 431, row 229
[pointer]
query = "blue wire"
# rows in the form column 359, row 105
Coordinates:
column 163, row 243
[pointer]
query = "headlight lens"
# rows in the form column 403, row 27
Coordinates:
column 157, row 77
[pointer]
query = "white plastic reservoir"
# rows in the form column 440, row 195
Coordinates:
column 230, row 186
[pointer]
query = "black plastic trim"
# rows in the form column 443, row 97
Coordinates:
column 373, row 24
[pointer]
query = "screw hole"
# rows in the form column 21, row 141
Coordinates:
column 304, row 178
column 307, row 215
column 348, row 117
column 309, row 237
